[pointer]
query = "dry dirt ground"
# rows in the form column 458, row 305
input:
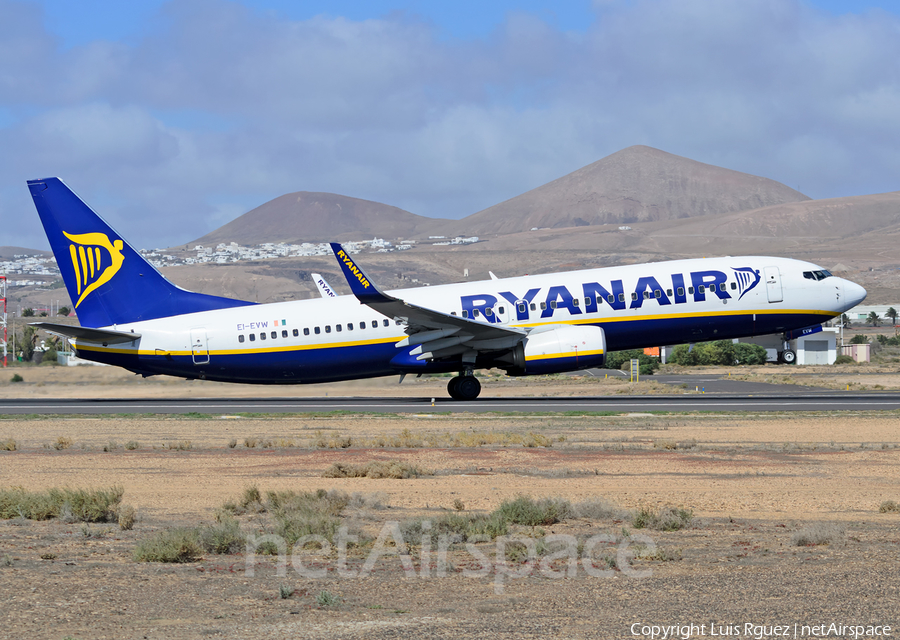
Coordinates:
column 754, row 483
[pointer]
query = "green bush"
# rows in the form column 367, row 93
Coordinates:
column 844, row 360
column 80, row 505
column 720, row 352
column 664, row 519
column 621, row 360
column 172, row 545
column 859, row 339
column 532, row 513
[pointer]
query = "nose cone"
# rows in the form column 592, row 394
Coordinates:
column 853, row 294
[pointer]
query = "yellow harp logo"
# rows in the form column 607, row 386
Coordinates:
column 95, row 260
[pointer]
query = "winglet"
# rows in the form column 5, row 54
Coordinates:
column 360, row 284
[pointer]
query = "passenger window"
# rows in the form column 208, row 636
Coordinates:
column 349, row 326
column 452, row 313
column 621, row 297
column 646, row 295
column 327, row 328
column 533, row 308
column 374, row 324
column 396, row 322
column 362, row 325
column 658, row 293
column 274, row 335
column 465, row 313
column 669, row 292
column 338, row 328
column 521, row 307
column 691, row 291
column 317, row 330
column 599, row 301
column 634, row 296
column 733, row 286
column 575, row 302
column 553, row 304
column 306, row 331
column 501, row 311
column 297, row 333
column 488, row 312
column 386, row 322
column 240, row 338
column 262, row 336
column 474, row 313
column 252, row 337
column 284, row 333
column 702, row 288
column 681, row 291
column 587, row 302
column 722, row 287
column 611, row 298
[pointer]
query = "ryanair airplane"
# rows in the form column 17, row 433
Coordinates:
column 132, row 317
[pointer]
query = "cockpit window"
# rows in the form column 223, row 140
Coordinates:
column 816, row 275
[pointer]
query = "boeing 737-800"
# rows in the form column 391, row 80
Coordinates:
column 133, row 317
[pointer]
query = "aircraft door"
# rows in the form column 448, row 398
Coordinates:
column 199, row 348
column 773, row 284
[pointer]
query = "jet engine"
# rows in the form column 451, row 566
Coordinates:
column 557, row 349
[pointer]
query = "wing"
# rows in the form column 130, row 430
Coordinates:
column 436, row 333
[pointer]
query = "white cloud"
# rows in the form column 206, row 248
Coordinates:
column 220, row 108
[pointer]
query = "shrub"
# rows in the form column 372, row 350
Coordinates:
column 327, row 599
column 17, row 378
column 78, row 505
column 462, row 526
column 889, row 506
column 664, row 519
column 222, row 537
column 62, row 443
column 619, row 360
column 844, row 360
column 377, row 469
column 131, row 445
column 859, row 339
column 181, row 445
column 526, row 511
column 599, row 509
column 8, row 445
column 172, row 545
column 818, row 533
column 127, row 517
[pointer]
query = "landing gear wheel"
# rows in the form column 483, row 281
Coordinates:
column 453, row 386
column 789, row 357
column 467, row 388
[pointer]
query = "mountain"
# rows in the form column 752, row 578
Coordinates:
column 637, row 184
column 307, row 216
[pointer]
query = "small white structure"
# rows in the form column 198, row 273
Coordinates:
column 814, row 347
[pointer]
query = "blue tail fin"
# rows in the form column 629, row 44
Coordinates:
column 108, row 281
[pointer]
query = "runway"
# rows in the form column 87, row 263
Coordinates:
column 717, row 403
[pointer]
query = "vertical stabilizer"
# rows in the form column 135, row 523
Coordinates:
column 108, row 281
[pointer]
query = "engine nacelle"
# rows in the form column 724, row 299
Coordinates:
column 567, row 348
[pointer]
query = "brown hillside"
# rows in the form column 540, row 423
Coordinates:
column 307, row 216
column 637, row 184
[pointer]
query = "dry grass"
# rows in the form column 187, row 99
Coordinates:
column 74, row 505
column 376, row 469
column 817, row 534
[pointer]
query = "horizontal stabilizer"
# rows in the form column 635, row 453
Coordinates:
column 100, row 336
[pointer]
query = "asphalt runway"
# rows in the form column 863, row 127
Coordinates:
column 719, row 402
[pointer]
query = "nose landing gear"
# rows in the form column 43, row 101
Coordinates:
column 465, row 386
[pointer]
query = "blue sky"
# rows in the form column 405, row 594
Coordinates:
column 172, row 118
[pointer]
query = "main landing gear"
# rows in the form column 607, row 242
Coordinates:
column 464, row 387
column 788, row 356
